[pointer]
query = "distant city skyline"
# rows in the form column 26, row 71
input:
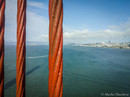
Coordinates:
column 84, row 21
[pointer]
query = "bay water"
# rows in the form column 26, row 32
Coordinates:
column 87, row 71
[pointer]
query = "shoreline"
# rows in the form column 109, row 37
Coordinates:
column 116, row 45
column 104, row 47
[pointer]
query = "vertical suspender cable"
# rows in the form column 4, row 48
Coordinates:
column 21, row 48
column 2, row 27
column 55, row 85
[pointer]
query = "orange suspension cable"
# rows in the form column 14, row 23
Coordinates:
column 21, row 48
column 55, row 85
column 2, row 28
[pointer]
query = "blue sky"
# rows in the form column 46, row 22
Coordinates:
column 97, row 14
column 84, row 21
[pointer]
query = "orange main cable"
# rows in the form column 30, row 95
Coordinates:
column 21, row 48
column 2, row 28
column 55, row 85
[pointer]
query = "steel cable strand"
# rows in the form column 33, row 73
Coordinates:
column 2, row 28
column 21, row 48
column 55, row 86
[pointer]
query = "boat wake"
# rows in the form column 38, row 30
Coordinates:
column 37, row 57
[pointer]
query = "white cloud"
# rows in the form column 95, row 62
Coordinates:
column 44, row 37
column 37, row 4
column 114, row 33
column 36, row 26
column 67, row 35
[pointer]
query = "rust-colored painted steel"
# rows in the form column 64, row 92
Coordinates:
column 21, row 48
column 55, row 85
column 2, row 27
